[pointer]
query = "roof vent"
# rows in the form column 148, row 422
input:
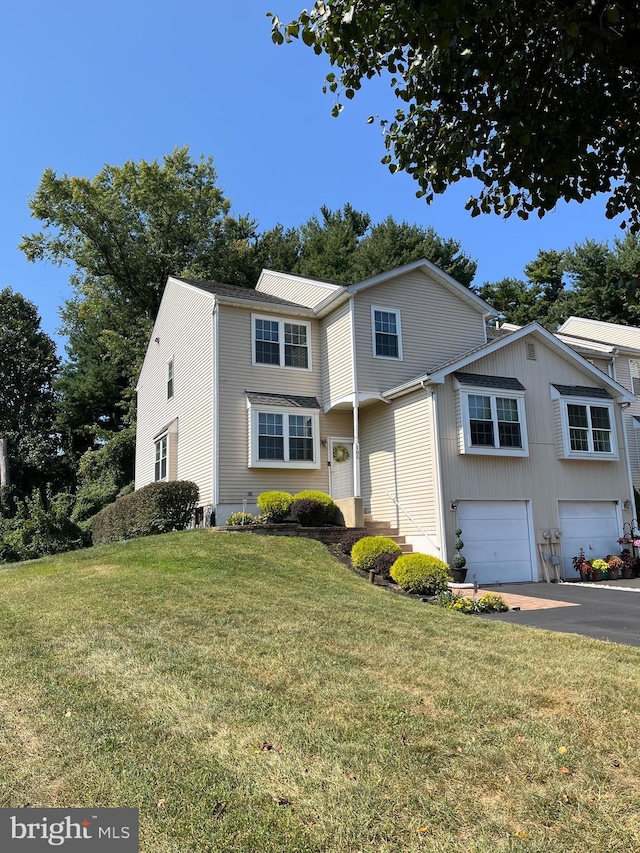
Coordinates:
column 531, row 350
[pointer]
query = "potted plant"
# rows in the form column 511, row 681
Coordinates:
column 628, row 564
column 582, row 566
column 458, row 563
column 598, row 568
column 615, row 566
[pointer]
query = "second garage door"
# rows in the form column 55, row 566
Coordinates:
column 497, row 541
column 591, row 525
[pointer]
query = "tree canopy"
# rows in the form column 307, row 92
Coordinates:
column 538, row 101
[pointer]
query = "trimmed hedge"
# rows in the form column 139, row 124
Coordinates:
column 156, row 508
column 421, row 574
column 368, row 548
column 308, row 512
column 275, row 505
column 326, row 500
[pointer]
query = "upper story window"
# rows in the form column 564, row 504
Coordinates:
column 387, row 334
column 281, row 343
column 170, row 380
column 634, row 369
column 284, row 431
column 160, row 469
column 587, row 418
column 492, row 415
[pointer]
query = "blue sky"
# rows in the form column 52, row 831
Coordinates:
column 84, row 84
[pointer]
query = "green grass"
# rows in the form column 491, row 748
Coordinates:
column 151, row 673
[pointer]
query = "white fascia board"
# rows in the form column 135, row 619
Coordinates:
column 287, row 275
column 332, row 301
column 620, row 394
column 441, row 276
column 592, row 346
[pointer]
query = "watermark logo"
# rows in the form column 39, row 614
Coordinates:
column 71, row 830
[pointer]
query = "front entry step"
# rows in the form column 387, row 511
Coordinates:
column 384, row 528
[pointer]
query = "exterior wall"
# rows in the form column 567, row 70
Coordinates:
column 541, row 478
column 237, row 374
column 294, row 289
column 185, row 329
column 337, row 362
column 436, row 325
column 396, row 453
column 598, row 330
column 603, row 364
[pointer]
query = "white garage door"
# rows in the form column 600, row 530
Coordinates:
column 497, row 541
column 592, row 525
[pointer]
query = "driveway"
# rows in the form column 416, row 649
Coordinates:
column 610, row 612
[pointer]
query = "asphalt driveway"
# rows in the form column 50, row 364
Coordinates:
column 603, row 613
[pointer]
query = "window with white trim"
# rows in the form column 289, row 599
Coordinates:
column 634, row 370
column 493, row 422
column 589, row 427
column 281, row 343
column 170, row 380
column 280, row 438
column 386, row 333
column 160, row 468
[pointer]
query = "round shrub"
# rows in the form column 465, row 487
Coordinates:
column 349, row 540
column 420, row 573
column 382, row 565
column 326, row 500
column 308, row 512
column 275, row 505
column 368, row 548
column 237, row 518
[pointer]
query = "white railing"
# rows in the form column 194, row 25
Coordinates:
column 412, row 520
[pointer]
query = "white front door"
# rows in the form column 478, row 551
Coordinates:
column 591, row 525
column 497, row 541
column 341, row 467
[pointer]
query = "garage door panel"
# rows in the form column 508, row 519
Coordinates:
column 591, row 525
column 496, row 540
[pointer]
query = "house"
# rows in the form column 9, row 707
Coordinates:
column 390, row 395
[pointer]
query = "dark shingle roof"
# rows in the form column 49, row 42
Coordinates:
column 263, row 398
column 236, row 292
column 481, row 381
column 582, row 391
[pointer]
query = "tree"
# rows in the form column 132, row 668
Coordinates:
column 28, row 366
column 538, row 101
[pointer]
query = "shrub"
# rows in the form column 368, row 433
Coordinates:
column 421, row 573
column 492, row 602
column 103, row 474
column 330, row 508
column 349, row 540
column 489, row 602
column 308, row 512
column 382, row 565
column 368, row 548
column 275, row 505
column 156, row 508
column 239, row 518
column 41, row 526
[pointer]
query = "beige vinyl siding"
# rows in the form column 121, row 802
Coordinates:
column 396, row 453
column 337, row 362
column 436, row 325
column 236, row 375
column 184, row 327
column 603, row 364
column 294, row 289
column 598, row 330
column 541, row 478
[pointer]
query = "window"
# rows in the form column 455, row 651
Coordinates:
column 586, row 422
column 160, row 471
column 589, row 428
column 170, row 380
column 284, row 439
column 281, row 343
column 387, row 337
column 634, row 369
column 491, row 420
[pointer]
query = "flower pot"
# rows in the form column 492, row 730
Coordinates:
column 627, row 572
column 585, row 576
column 458, row 575
column 613, row 574
column 596, row 575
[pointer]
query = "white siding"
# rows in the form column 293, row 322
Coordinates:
column 337, row 362
column 295, row 289
column 436, row 325
column 185, row 330
column 598, row 330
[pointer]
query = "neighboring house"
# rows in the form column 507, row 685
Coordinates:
column 518, row 440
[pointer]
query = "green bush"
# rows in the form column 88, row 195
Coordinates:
column 104, row 474
column 40, row 525
column 326, row 500
column 156, row 508
column 239, row 518
column 420, row 573
column 490, row 602
column 275, row 505
column 368, row 548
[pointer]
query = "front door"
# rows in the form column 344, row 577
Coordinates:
column 341, row 467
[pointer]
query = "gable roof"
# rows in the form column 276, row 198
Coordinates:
column 627, row 337
column 440, row 276
column 439, row 373
column 233, row 291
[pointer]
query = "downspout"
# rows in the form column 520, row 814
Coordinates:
column 438, row 470
column 356, row 403
column 216, row 406
column 624, row 407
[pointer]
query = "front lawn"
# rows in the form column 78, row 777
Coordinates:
column 250, row 694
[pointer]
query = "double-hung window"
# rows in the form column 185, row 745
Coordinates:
column 491, row 418
column 281, row 343
column 587, row 418
column 386, row 331
column 160, row 469
column 170, row 380
column 282, row 437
